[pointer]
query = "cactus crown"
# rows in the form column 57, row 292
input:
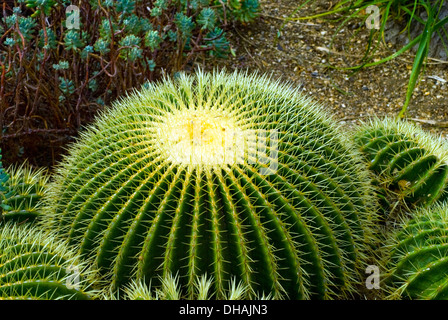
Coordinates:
column 231, row 175
column 202, row 137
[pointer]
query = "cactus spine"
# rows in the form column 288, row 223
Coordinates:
column 409, row 162
column 170, row 290
column 418, row 259
column 35, row 265
column 230, row 175
column 23, row 191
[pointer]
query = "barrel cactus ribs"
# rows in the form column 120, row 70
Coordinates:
column 23, row 190
column 417, row 262
column 408, row 161
column 232, row 175
column 35, row 265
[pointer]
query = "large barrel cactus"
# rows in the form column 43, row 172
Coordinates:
column 417, row 262
column 35, row 265
column 409, row 162
column 230, row 175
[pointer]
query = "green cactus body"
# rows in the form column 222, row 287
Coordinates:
column 409, row 161
column 23, row 192
column 35, row 265
column 170, row 290
column 418, row 259
column 186, row 177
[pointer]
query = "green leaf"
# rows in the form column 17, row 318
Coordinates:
column 184, row 24
column 62, row 65
column 153, row 39
column 102, row 46
column 135, row 51
column 125, row 6
column 420, row 57
column 51, row 39
column 44, row 6
column 107, row 28
column 207, row 19
column 151, row 65
column 217, row 40
column 73, row 40
column 66, row 86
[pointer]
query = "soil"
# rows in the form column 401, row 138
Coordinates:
column 312, row 55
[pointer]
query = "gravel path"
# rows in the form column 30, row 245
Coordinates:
column 310, row 54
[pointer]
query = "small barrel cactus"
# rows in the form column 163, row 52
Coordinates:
column 36, row 265
column 230, row 175
column 23, row 191
column 417, row 262
column 409, row 162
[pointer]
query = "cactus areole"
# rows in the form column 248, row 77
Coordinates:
column 233, row 176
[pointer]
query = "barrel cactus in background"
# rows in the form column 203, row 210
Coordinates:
column 417, row 262
column 410, row 163
column 23, row 190
column 231, row 175
column 35, row 265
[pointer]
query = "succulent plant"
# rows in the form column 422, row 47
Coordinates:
column 219, row 44
column 42, row 6
column 231, row 175
column 36, row 265
column 242, row 10
column 3, row 179
column 409, row 162
column 23, row 191
column 417, row 262
column 128, row 43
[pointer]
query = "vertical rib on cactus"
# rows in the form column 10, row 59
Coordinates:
column 417, row 262
column 408, row 160
column 186, row 177
column 36, row 265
